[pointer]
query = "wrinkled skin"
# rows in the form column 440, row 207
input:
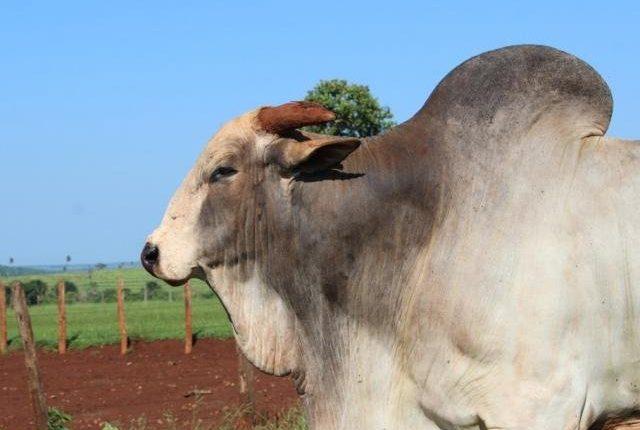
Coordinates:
column 475, row 267
column 231, row 230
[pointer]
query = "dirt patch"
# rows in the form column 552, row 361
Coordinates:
column 98, row 384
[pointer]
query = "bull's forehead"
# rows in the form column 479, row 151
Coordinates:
column 235, row 134
column 233, row 137
column 243, row 126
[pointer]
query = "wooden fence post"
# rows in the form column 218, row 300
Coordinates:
column 188, row 330
column 246, row 379
column 3, row 319
column 30, row 359
column 122, row 324
column 62, row 319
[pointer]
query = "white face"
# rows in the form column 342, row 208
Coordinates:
column 214, row 227
column 201, row 224
column 210, row 221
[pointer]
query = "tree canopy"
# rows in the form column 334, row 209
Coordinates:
column 358, row 112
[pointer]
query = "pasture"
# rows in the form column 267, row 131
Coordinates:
column 93, row 324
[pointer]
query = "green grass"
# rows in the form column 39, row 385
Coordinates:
column 90, row 324
column 293, row 419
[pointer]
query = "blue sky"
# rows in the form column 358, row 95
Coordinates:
column 105, row 105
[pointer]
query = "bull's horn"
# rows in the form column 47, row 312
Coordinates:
column 292, row 115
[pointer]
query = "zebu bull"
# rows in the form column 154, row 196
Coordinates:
column 477, row 266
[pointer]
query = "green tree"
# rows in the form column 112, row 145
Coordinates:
column 94, row 294
column 110, row 295
column 35, row 291
column 154, row 290
column 358, row 112
column 70, row 287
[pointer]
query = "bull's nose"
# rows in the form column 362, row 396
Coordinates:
column 149, row 256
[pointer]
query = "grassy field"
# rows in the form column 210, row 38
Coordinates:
column 90, row 324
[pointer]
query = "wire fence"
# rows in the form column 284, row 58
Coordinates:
column 88, row 316
column 154, row 310
column 26, row 334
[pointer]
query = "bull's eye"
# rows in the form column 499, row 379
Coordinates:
column 221, row 173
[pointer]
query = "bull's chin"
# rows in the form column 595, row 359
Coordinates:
column 195, row 272
column 176, row 282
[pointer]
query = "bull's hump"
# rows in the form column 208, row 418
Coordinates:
column 518, row 85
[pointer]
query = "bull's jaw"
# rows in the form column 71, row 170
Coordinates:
column 264, row 326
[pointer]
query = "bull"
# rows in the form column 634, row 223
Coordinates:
column 476, row 267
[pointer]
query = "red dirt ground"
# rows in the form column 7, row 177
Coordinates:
column 98, row 384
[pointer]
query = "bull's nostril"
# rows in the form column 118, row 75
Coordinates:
column 150, row 255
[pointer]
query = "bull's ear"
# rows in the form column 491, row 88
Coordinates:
column 314, row 155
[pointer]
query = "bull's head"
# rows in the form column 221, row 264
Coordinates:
column 216, row 225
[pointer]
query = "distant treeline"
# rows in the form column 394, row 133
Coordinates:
column 17, row 271
column 39, row 292
column 61, row 268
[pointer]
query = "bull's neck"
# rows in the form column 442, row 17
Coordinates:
column 347, row 232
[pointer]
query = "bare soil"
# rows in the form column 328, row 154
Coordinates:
column 98, row 385
column 156, row 379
